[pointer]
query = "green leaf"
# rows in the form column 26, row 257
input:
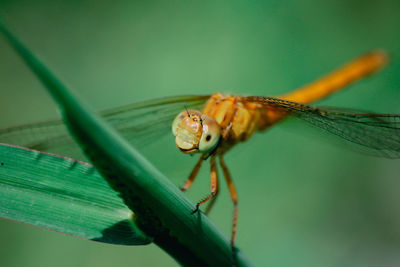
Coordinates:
column 162, row 211
column 63, row 195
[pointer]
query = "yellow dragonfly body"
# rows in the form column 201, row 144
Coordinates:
column 227, row 120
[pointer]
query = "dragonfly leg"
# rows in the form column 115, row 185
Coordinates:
column 212, row 201
column 214, row 184
column 193, row 175
column 234, row 197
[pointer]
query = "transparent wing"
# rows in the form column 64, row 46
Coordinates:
column 379, row 133
column 140, row 123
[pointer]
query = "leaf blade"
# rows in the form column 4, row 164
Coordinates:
column 63, row 195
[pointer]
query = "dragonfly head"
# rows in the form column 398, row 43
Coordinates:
column 195, row 132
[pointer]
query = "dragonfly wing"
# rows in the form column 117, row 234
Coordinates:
column 379, row 133
column 40, row 136
column 140, row 123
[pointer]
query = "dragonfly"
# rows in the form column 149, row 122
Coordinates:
column 211, row 125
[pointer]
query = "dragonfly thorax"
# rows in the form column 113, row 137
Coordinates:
column 195, row 132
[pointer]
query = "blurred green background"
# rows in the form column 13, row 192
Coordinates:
column 302, row 201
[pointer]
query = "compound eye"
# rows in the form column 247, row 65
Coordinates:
column 178, row 119
column 210, row 135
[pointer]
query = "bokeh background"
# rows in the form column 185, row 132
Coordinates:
column 304, row 201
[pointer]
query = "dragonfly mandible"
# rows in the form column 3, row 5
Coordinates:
column 212, row 124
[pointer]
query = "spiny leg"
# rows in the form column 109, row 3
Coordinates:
column 193, row 175
column 214, row 183
column 233, row 193
column 212, row 201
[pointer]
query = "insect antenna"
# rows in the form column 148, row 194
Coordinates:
column 187, row 111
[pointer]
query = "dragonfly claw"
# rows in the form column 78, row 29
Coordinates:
column 196, row 209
